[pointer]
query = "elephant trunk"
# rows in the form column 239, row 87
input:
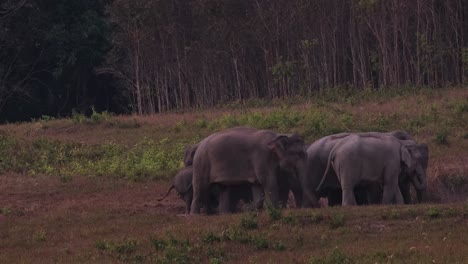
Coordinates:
column 419, row 180
column 420, row 195
column 308, row 196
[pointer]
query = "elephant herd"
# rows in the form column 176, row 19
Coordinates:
column 252, row 165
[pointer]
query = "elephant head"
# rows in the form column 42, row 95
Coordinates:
column 414, row 159
column 188, row 155
column 290, row 152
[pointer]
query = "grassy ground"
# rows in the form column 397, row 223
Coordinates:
column 84, row 189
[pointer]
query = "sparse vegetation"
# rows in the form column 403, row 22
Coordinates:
column 337, row 220
column 433, row 212
column 249, row 221
column 104, row 178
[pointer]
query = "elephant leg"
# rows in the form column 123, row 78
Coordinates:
column 224, row 206
column 348, row 193
column 334, row 197
column 391, row 194
column 188, row 197
column 405, row 192
column 360, row 194
column 272, row 195
column 258, row 196
column 201, row 195
column 374, row 193
column 297, row 192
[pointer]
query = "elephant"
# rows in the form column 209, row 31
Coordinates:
column 377, row 160
column 188, row 155
column 243, row 155
column 182, row 183
column 317, row 159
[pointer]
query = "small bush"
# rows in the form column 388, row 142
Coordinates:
column 454, row 182
column 261, row 243
column 316, row 218
column 433, row 212
column 278, row 246
column 274, row 214
column 211, row 237
column 122, row 250
column 39, row 236
column 98, row 118
column 337, row 220
column 249, row 221
column 216, row 260
column 441, row 137
column 235, row 234
column 176, row 251
column 77, row 118
column 289, row 220
column 5, row 210
column 158, row 244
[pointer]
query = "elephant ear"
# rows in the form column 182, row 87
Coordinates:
column 189, row 154
column 407, row 157
column 424, row 155
column 401, row 135
column 278, row 145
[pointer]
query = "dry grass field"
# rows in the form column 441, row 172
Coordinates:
column 84, row 189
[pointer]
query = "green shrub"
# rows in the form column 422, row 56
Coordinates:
column 158, row 244
column 337, row 220
column 211, row 237
column 433, row 212
column 441, row 137
column 261, row 243
column 316, row 218
column 98, row 118
column 39, row 236
column 279, row 246
column 274, row 214
column 249, row 221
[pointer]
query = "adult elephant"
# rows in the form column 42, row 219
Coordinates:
column 246, row 155
column 317, row 159
column 377, row 160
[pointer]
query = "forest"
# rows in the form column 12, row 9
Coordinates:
column 58, row 58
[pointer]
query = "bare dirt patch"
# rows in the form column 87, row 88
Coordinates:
column 33, row 196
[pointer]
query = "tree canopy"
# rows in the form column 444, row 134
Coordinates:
column 148, row 56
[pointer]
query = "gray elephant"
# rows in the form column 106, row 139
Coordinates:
column 188, row 154
column 182, row 183
column 376, row 160
column 246, row 155
column 227, row 197
column 317, row 159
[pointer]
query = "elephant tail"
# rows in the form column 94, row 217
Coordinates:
column 325, row 176
column 170, row 189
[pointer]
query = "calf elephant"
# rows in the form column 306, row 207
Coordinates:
column 375, row 159
column 246, row 155
column 317, row 159
column 182, row 183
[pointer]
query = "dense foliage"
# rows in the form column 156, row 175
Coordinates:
column 147, row 56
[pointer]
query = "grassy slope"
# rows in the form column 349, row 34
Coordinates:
column 51, row 210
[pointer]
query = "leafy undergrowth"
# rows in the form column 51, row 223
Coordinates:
column 144, row 147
